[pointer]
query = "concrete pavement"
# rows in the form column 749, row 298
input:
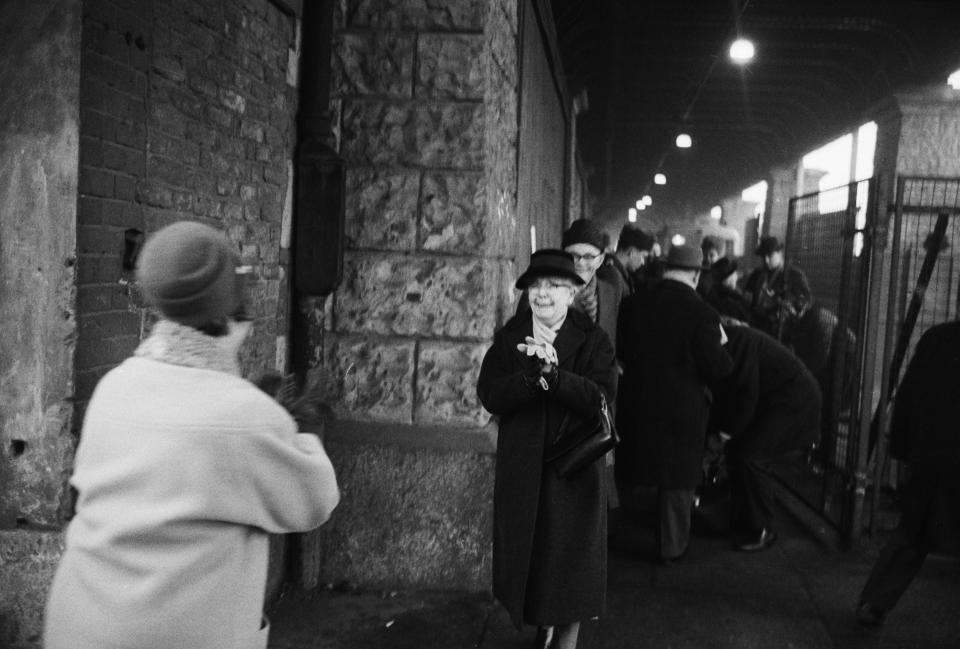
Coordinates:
column 799, row 594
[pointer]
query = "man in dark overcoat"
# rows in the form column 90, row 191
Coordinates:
column 777, row 290
column 550, row 533
column 770, row 407
column 671, row 349
column 923, row 434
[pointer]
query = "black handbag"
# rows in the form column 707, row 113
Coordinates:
column 580, row 442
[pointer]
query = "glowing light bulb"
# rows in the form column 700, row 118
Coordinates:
column 954, row 80
column 684, row 141
column 678, row 240
column 660, row 179
column 632, row 215
column 716, row 212
column 647, row 200
column 742, row 51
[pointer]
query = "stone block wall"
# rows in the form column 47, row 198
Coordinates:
column 39, row 124
column 186, row 113
column 425, row 96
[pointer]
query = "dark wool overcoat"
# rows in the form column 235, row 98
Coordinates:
column 770, row 403
column 549, row 533
column 923, row 433
column 670, row 349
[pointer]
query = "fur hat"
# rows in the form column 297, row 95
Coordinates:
column 685, row 257
column 188, row 271
column 584, row 231
column 549, row 263
column 633, row 237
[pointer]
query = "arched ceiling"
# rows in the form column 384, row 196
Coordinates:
column 654, row 69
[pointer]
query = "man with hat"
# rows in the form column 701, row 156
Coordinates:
column 598, row 298
column 724, row 296
column 671, row 349
column 183, row 470
column 776, row 291
column 624, row 266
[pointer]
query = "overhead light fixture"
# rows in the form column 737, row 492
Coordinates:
column 632, row 215
column 684, row 141
column 641, row 204
column 954, row 80
column 678, row 240
column 646, row 200
column 716, row 212
column 660, row 179
column 742, row 51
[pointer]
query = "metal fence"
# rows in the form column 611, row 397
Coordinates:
column 881, row 275
column 829, row 237
column 924, row 260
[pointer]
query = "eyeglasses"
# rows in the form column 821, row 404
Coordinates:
column 587, row 258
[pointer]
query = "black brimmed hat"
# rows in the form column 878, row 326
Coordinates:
column 768, row 245
column 549, row 262
column 685, row 257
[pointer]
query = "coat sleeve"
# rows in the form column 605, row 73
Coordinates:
column 581, row 392
column 501, row 386
column 907, row 402
column 713, row 361
column 277, row 479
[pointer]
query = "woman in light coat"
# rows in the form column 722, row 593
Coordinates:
column 549, row 545
column 183, row 469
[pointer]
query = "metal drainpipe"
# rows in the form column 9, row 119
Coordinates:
column 317, row 242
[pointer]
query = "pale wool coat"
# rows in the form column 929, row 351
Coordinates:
column 181, row 472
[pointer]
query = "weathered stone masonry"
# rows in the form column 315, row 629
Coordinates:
column 132, row 114
column 425, row 96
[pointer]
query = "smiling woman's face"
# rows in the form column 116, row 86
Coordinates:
column 550, row 297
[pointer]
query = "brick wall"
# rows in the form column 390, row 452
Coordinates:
column 186, row 113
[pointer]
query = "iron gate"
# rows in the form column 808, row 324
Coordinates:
column 830, row 238
column 924, row 290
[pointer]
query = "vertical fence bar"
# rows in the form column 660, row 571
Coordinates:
column 869, row 308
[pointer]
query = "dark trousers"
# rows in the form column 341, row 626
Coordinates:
column 751, row 488
column 674, row 507
column 898, row 564
column 902, row 557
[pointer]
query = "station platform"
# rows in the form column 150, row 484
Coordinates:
column 799, row 594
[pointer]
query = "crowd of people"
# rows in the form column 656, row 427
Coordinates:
column 696, row 365
column 184, row 468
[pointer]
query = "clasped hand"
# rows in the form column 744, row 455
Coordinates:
column 544, row 351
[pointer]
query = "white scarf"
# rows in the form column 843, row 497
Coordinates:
column 544, row 334
column 177, row 344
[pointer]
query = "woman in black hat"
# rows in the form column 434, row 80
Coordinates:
column 550, row 533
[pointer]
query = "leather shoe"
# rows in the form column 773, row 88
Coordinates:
column 546, row 638
column 762, row 542
column 869, row 615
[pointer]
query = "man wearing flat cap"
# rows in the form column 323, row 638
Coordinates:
column 777, row 291
column 671, row 349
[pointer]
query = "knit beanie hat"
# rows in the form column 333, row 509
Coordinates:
column 188, row 271
column 584, row 231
